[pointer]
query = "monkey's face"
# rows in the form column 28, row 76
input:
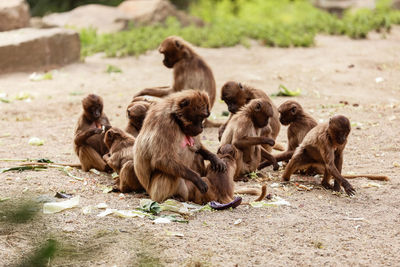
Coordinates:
column 261, row 111
column 173, row 51
column 93, row 107
column 232, row 93
column 191, row 113
column 339, row 129
column 288, row 112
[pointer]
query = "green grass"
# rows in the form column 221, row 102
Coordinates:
column 281, row 23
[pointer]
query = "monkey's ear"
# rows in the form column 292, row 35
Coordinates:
column 258, row 107
column 293, row 110
column 240, row 86
column 178, row 44
column 185, row 102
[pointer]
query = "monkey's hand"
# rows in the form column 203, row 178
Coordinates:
column 201, row 185
column 348, row 188
column 268, row 141
column 218, row 165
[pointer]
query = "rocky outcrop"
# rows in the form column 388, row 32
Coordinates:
column 31, row 49
column 14, row 14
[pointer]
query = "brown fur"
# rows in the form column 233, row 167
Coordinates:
column 120, row 159
column 162, row 158
column 190, row 69
column 88, row 141
column 220, row 184
column 236, row 95
column 244, row 132
column 323, row 147
column 136, row 113
column 300, row 123
column 253, row 191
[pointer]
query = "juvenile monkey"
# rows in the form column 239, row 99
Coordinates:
column 236, row 95
column 220, row 184
column 323, row 147
column 190, row 71
column 168, row 150
column 120, row 159
column 88, row 141
column 243, row 131
column 136, row 113
column 300, row 123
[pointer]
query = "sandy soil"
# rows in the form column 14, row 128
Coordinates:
column 319, row 228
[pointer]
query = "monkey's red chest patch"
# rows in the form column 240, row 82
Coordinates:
column 98, row 125
column 187, row 141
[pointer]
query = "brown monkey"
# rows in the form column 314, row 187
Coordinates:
column 136, row 112
column 89, row 144
column 120, row 159
column 323, row 147
column 236, row 95
column 168, row 150
column 220, row 184
column 243, row 131
column 190, row 71
column 300, row 123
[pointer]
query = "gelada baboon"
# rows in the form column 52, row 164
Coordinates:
column 120, row 159
column 323, row 147
column 244, row 132
column 168, row 150
column 89, row 133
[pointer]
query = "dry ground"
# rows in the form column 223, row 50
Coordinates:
column 317, row 229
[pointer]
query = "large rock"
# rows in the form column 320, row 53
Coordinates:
column 31, row 49
column 14, row 14
column 145, row 12
column 338, row 6
column 396, row 4
column 103, row 18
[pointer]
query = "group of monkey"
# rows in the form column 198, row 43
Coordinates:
column 161, row 152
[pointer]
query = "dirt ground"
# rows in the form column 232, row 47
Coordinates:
column 319, row 228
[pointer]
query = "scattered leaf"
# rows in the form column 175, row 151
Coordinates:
column 174, row 234
column 162, row 220
column 4, row 199
column 371, row 184
column 379, row 79
column 53, row 207
column 150, row 206
column 284, row 91
column 276, row 201
column 102, row 206
column 107, row 189
column 40, row 77
column 238, row 221
column 35, row 141
column 113, row 69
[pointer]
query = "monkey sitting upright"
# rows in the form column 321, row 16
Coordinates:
column 244, row 132
column 189, row 69
column 88, row 141
column 236, row 95
column 323, row 147
column 168, row 149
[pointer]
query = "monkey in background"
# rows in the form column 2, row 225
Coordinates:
column 190, row 71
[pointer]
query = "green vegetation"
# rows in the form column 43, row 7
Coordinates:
column 282, row 23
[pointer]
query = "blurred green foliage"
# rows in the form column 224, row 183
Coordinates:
column 43, row 7
column 282, row 23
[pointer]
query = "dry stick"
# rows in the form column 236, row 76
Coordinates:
column 47, row 164
column 369, row 176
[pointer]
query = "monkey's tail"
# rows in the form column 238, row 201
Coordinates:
column 369, row 176
column 253, row 191
column 209, row 124
column 278, row 147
